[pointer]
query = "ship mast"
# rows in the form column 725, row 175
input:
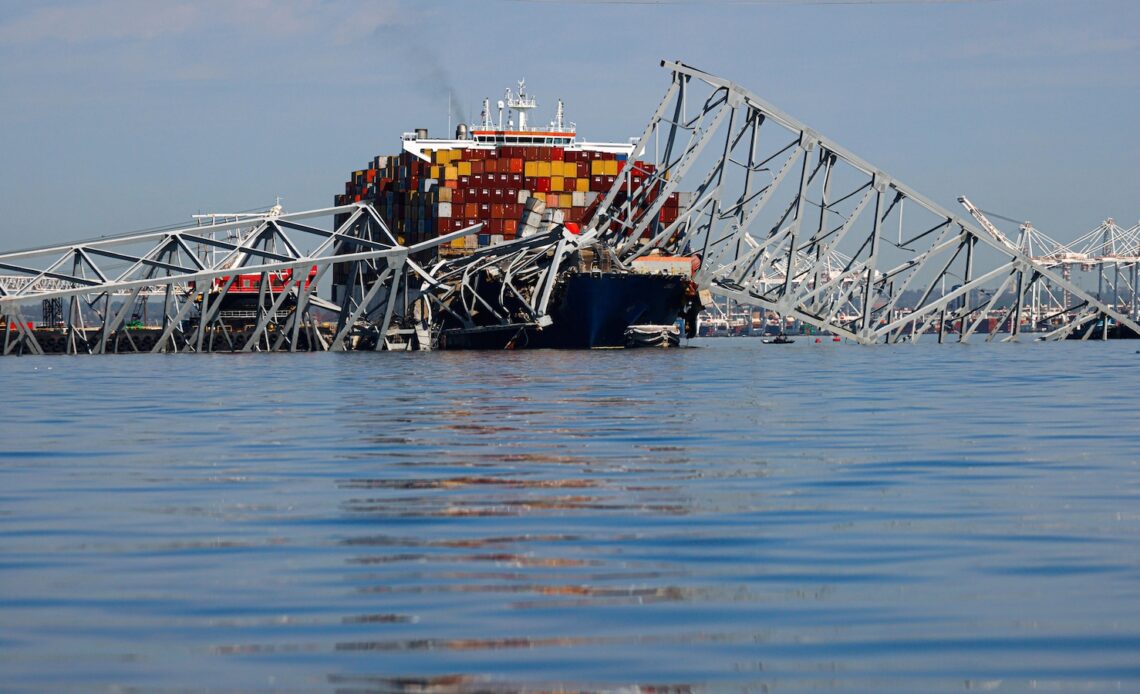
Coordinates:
column 522, row 103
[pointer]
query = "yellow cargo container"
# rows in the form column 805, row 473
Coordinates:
column 557, row 184
column 611, row 167
column 460, row 242
column 464, row 168
column 544, row 169
column 566, row 200
column 530, row 169
column 598, row 167
column 451, row 172
column 583, row 185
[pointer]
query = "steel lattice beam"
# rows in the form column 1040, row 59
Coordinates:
column 789, row 220
column 193, row 269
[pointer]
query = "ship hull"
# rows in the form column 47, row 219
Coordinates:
column 589, row 311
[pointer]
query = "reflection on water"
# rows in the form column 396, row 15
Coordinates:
column 825, row 517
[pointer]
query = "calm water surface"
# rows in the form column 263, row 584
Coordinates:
column 735, row 516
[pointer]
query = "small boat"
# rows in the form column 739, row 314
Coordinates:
column 779, row 340
column 653, row 335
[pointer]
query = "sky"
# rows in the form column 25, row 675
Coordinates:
column 119, row 115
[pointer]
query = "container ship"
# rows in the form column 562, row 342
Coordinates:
column 489, row 171
column 517, row 179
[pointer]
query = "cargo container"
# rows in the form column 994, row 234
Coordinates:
column 489, row 173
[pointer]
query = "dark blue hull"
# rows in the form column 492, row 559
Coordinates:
column 589, row 311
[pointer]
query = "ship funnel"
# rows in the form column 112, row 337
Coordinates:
column 421, row 133
column 461, row 131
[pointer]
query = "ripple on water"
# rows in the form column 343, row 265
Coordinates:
column 729, row 517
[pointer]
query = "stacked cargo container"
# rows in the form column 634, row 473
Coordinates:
column 445, row 189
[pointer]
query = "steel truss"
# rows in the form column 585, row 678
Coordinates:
column 190, row 272
column 789, row 220
column 1107, row 257
column 507, row 288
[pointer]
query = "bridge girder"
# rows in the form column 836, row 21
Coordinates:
column 193, row 269
column 788, row 219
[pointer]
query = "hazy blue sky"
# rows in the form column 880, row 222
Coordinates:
column 120, row 115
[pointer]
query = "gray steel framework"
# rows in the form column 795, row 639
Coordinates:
column 783, row 217
column 789, row 220
column 191, row 271
column 509, row 285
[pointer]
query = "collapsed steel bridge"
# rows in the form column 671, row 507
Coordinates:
column 98, row 286
column 783, row 218
column 96, row 291
column 791, row 221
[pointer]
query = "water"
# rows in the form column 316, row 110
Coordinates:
column 739, row 516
